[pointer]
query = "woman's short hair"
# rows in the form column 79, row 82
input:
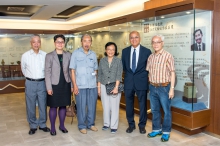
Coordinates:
column 59, row 36
column 109, row 44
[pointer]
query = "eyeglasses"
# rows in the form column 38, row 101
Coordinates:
column 131, row 38
column 59, row 42
column 110, row 49
column 156, row 43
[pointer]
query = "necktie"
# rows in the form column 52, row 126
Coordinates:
column 199, row 47
column 134, row 61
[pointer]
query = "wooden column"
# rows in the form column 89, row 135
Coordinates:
column 214, row 126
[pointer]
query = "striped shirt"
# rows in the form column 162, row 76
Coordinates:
column 32, row 64
column 160, row 67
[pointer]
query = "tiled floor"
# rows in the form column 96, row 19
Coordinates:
column 14, row 131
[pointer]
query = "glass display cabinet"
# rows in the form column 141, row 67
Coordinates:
column 187, row 28
column 188, row 35
column 11, row 50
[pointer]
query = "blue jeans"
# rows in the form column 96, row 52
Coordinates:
column 86, row 107
column 159, row 97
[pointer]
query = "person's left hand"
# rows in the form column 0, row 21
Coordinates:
column 171, row 93
column 114, row 91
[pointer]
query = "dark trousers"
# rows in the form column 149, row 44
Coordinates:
column 142, row 98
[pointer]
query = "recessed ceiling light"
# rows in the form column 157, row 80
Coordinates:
column 188, row 12
column 162, row 17
column 119, row 27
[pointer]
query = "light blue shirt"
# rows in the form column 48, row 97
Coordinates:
column 137, row 55
column 85, row 66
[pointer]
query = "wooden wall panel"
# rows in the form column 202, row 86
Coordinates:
column 174, row 10
column 199, row 120
column 215, row 105
column 216, row 40
column 204, row 4
column 214, row 126
column 182, row 120
column 158, row 3
column 199, row 4
column 17, row 83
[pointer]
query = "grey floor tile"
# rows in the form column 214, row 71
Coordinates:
column 14, row 130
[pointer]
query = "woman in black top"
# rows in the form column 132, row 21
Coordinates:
column 58, row 83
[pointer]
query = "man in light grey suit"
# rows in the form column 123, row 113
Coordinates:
column 32, row 65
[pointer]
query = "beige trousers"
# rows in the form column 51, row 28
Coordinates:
column 110, row 104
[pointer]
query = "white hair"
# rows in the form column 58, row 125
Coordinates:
column 85, row 36
column 35, row 35
column 160, row 36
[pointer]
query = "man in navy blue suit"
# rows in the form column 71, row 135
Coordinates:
column 134, row 59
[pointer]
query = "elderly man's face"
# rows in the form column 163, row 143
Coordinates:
column 134, row 39
column 35, row 43
column 198, row 37
column 157, row 44
column 86, row 43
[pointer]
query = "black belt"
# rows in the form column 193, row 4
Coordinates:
column 42, row 79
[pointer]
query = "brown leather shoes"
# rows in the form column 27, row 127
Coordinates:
column 93, row 128
column 83, row 131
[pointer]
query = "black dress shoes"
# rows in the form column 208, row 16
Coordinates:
column 130, row 129
column 142, row 130
column 45, row 129
column 64, row 131
column 53, row 133
column 32, row 131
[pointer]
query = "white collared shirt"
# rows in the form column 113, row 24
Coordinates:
column 32, row 64
column 137, row 55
